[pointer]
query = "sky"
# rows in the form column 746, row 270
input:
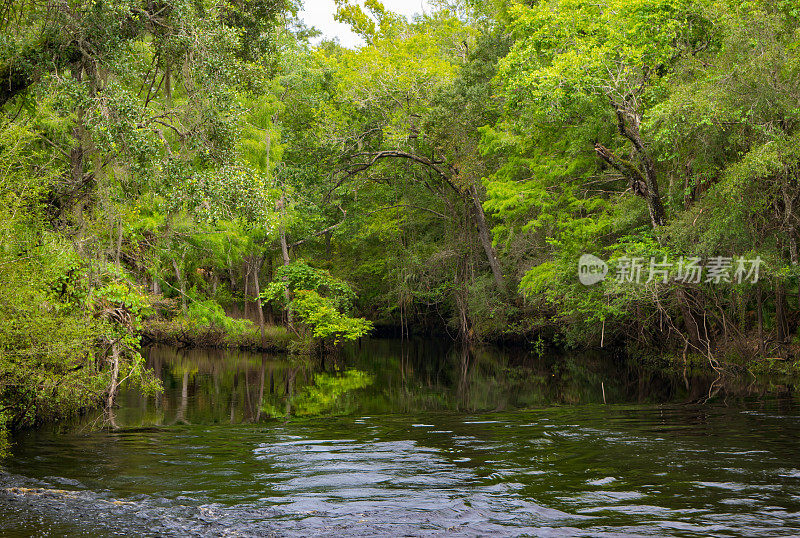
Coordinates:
column 319, row 13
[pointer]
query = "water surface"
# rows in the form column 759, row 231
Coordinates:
column 420, row 440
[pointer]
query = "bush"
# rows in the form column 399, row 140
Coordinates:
column 205, row 324
column 320, row 301
column 210, row 314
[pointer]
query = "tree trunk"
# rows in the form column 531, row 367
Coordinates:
column 628, row 125
column 486, row 239
column 270, row 276
column 449, row 175
column 259, row 308
column 760, row 314
column 328, row 245
column 284, row 246
column 780, row 311
column 246, row 292
column 286, row 261
column 460, row 284
column 112, row 389
column 181, row 283
column 644, row 181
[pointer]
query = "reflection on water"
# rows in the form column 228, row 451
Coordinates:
column 421, row 376
column 413, row 441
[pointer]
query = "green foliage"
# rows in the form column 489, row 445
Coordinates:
column 299, row 276
column 319, row 300
column 321, row 314
column 187, row 149
column 569, row 51
column 209, row 314
column 47, row 338
column 118, row 144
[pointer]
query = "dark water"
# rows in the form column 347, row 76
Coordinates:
column 419, row 440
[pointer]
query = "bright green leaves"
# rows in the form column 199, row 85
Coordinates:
column 569, row 50
column 371, row 23
column 208, row 313
column 395, row 77
column 121, row 309
column 754, row 198
column 258, row 143
column 130, row 153
column 319, row 299
column 327, row 395
column 301, row 276
column 325, row 320
column 119, row 294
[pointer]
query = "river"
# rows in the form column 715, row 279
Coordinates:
column 412, row 439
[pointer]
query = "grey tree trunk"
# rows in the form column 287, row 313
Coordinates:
column 112, row 389
column 486, row 239
column 780, row 311
column 286, row 261
column 644, row 180
column 257, row 290
column 181, row 282
column 246, row 292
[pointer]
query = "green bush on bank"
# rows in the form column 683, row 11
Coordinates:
column 205, row 324
column 320, row 301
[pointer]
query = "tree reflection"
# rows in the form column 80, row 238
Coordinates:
column 385, row 376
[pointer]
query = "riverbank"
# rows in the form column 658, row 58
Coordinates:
column 778, row 368
column 245, row 335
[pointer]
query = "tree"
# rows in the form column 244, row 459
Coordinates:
column 572, row 59
column 320, row 301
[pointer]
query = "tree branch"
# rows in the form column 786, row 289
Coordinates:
column 626, row 168
column 446, row 174
column 321, row 232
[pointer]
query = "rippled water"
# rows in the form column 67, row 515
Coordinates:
column 429, row 447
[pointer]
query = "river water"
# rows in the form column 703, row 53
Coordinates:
column 412, row 440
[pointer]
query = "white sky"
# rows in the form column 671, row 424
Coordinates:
column 319, row 13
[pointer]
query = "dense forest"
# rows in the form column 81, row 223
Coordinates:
column 209, row 172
